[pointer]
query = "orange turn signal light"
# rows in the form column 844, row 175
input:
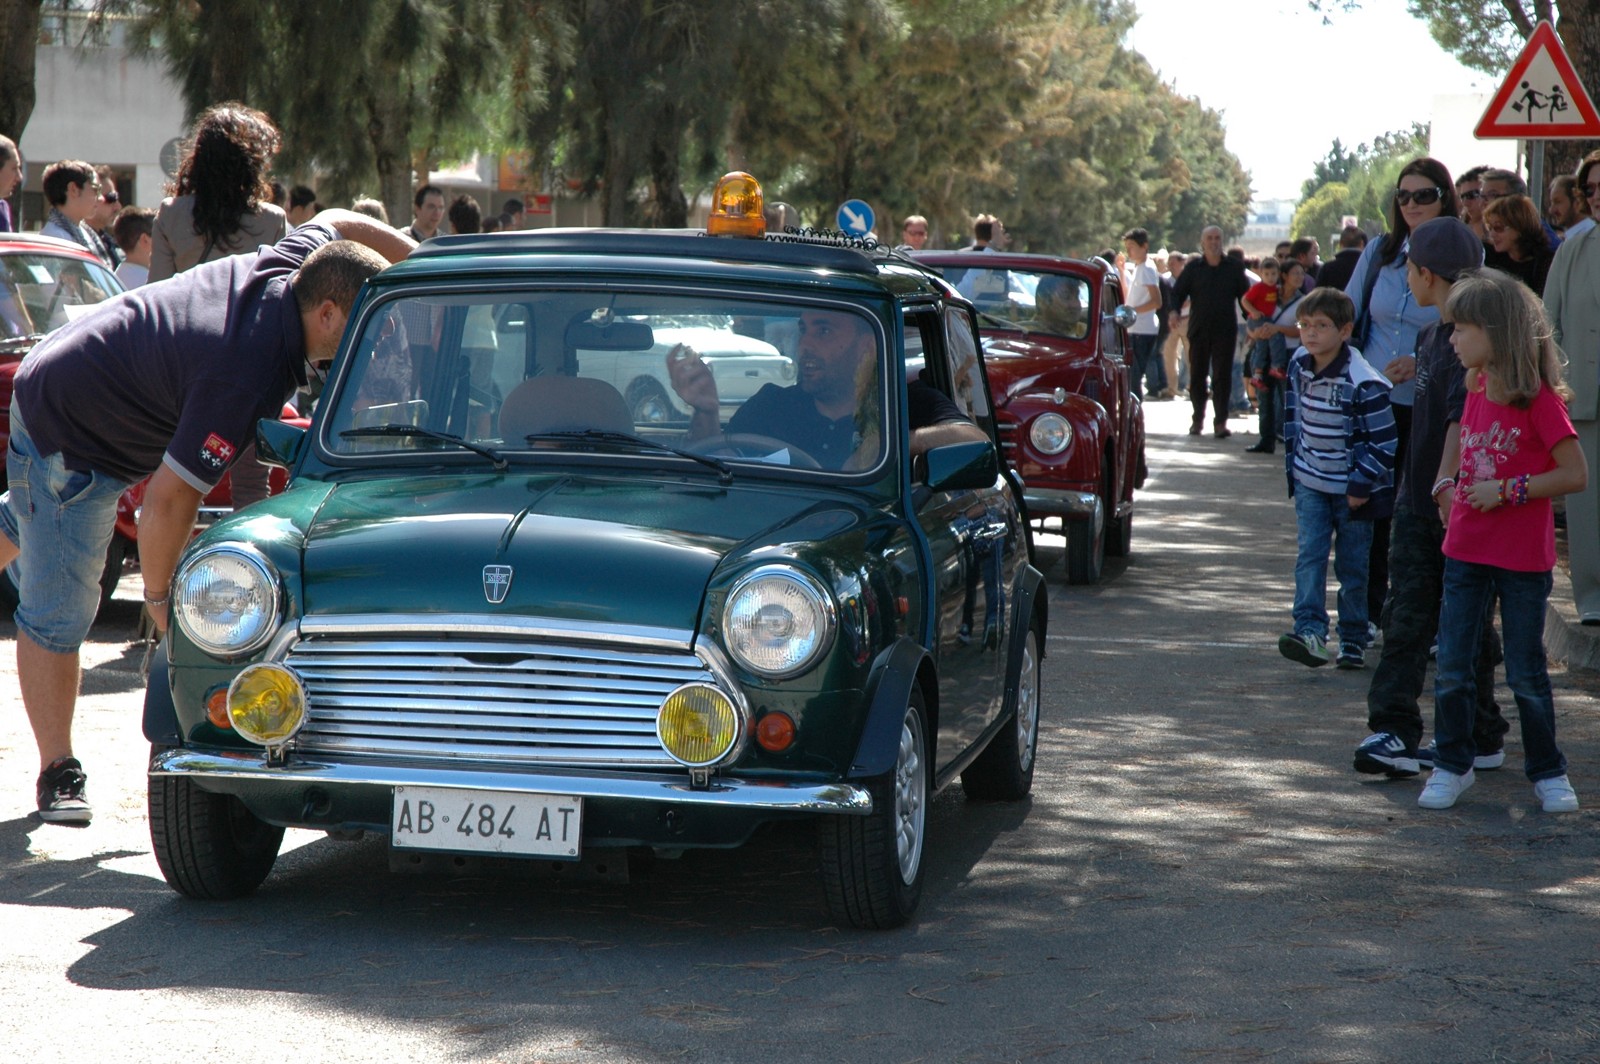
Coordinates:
column 737, row 207
column 217, row 708
column 775, row 732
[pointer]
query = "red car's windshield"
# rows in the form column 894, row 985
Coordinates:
column 1052, row 303
column 40, row 291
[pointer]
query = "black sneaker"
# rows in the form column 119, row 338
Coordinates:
column 1386, row 753
column 1351, row 657
column 61, row 799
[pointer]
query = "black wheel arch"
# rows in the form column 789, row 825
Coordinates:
column 898, row 669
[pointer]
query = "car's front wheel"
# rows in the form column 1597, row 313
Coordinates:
column 1086, row 550
column 208, row 845
column 872, row 865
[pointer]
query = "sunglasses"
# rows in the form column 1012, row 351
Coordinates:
column 1472, row 194
column 1422, row 196
column 1592, row 190
column 111, row 197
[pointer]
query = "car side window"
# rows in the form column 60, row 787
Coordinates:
column 966, row 375
column 1110, row 335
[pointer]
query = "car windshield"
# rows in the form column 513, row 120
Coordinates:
column 40, row 292
column 531, row 374
column 1053, row 303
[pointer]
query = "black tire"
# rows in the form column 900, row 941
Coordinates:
column 209, row 846
column 1119, row 535
column 1086, row 552
column 649, row 404
column 110, row 576
column 1004, row 771
column 872, row 866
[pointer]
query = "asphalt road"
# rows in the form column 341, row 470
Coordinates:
column 1199, row 876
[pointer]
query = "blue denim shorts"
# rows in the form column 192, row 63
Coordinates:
column 62, row 520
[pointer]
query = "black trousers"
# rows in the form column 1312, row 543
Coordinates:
column 1211, row 355
column 1378, row 565
column 1408, row 632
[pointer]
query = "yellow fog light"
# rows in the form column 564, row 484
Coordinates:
column 698, row 725
column 737, row 206
column 266, row 704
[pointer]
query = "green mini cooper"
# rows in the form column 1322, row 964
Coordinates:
column 498, row 614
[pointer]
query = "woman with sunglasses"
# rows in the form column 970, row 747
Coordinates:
column 1518, row 241
column 1388, row 319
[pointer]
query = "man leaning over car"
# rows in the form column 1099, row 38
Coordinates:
column 167, row 381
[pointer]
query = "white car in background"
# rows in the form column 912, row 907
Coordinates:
column 741, row 365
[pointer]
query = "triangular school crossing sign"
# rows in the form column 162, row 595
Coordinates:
column 1542, row 97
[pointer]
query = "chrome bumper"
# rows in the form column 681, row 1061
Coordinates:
column 1071, row 505
column 723, row 792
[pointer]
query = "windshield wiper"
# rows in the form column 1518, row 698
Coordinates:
column 499, row 461
column 724, row 470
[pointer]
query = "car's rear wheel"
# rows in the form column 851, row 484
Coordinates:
column 110, row 576
column 872, row 865
column 1004, row 771
column 208, row 845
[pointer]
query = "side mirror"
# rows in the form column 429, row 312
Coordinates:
column 966, row 466
column 279, row 444
column 1124, row 316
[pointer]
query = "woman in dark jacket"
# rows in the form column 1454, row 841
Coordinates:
column 1519, row 244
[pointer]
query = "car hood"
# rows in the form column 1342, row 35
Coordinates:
column 584, row 549
column 1019, row 365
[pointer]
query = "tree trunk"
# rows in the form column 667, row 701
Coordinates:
column 19, row 39
column 391, row 153
column 668, row 208
column 1579, row 30
column 617, row 183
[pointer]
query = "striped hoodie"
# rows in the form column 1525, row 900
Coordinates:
column 1338, row 430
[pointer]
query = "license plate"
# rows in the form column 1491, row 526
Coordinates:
column 497, row 822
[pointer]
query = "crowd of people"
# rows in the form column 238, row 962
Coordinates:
column 1435, row 389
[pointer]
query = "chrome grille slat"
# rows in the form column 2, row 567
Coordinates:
column 517, row 700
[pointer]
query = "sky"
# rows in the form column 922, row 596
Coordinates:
column 1235, row 55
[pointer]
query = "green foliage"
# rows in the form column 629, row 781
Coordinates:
column 1322, row 213
column 1370, row 174
column 1029, row 109
column 1480, row 33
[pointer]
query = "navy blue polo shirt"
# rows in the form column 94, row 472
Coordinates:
column 175, row 373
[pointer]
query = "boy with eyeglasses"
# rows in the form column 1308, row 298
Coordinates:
column 1469, row 190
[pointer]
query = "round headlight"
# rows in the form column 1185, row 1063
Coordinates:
column 1050, row 434
column 266, row 704
column 226, row 600
column 777, row 621
column 698, row 725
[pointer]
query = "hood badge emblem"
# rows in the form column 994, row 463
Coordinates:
column 496, row 582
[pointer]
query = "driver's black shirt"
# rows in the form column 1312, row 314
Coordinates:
column 790, row 415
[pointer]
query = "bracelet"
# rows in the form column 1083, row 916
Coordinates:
column 1440, row 484
column 162, row 601
column 1500, row 498
column 1519, row 490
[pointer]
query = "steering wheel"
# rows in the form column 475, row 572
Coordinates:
column 751, row 445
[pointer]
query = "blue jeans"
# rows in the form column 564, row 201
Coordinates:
column 62, row 520
column 1325, row 523
column 1146, row 369
column 1523, row 596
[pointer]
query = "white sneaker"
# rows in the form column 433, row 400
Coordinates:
column 1557, row 795
column 1374, row 633
column 1443, row 788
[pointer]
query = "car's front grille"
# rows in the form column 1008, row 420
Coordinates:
column 507, row 701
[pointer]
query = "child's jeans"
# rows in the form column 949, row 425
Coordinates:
column 1523, row 597
column 1326, row 522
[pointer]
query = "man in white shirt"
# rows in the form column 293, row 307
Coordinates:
column 1142, row 287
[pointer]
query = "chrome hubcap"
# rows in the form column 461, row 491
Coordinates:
column 1028, row 702
column 910, row 797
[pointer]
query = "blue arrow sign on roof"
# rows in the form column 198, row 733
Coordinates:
column 856, row 217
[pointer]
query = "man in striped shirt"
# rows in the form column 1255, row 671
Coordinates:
column 1339, row 441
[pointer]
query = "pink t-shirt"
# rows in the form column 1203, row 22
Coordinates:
column 1499, row 442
